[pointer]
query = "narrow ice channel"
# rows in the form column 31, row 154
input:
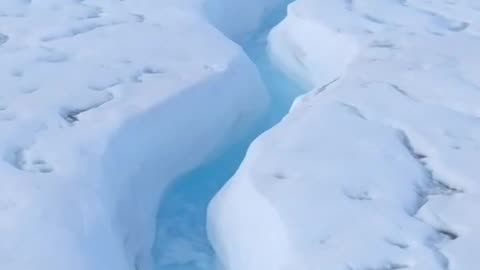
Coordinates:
column 181, row 242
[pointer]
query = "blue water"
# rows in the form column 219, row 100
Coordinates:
column 181, row 242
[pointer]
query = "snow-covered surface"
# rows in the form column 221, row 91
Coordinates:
column 239, row 20
column 377, row 166
column 105, row 103
column 102, row 104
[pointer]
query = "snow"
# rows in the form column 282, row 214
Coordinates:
column 102, row 105
column 375, row 166
column 119, row 120
column 239, row 20
column 181, row 239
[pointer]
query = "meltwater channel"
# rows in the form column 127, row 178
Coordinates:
column 181, row 242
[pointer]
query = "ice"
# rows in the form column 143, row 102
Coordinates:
column 181, row 241
column 374, row 167
column 120, row 120
column 102, row 105
column 240, row 20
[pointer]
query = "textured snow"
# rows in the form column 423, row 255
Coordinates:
column 376, row 167
column 114, row 112
column 102, row 104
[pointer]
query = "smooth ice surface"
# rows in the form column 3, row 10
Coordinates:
column 181, row 241
column 376, row 166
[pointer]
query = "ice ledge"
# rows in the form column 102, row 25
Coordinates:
column 372, row 168
column 105, row 105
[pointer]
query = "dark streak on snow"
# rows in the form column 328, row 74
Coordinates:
column 349, row 5
column 139, row 18
column 397, row 244
column 448, row 233
column 357, row 196
column 437, row 185
column 384, row 44
column 3, row 39
column 401, row 91
column 459, row 27
column 22, row 162
column 324, row 87
column 78, row 31
column 147, row 70
column 373, row 19
column 70, row 115
column 279, row 176
column 443, row 188
column 353, row 110
column 388, row 266
column 105, row 86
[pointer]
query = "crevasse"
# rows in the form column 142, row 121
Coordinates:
column 181, row 241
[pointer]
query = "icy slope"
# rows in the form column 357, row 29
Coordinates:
column 102, row 104
column 377, row 166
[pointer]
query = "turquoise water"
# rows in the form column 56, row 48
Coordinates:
column 181, row 242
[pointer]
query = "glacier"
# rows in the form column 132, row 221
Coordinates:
column 124, row 129
column 375, row 166
column 103, row 104
column 182, row 241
